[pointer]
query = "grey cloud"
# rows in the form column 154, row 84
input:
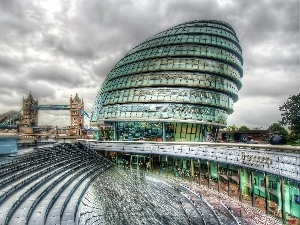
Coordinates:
column 254, row 112
column 15, row 21
column 56, row 74
column 76, row 47
column 8, row 63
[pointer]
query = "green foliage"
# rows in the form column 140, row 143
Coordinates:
column 291, row 117
column 243, row 128
column 291, row 113
column 232, row 128
column 293, row 138
column 276, row 128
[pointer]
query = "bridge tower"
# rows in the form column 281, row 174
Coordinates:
column 30, row 116
column 77, row 119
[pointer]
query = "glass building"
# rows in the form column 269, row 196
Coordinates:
column 178, row 85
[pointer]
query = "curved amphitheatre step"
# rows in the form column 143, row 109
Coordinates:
column 37, row 195
column 29, row 174
column 69, row 167
column 26, row 208
column 209, row 214
column 69, row 206
column 219, row 211
column 25, row 192
column 53, row 216
column 96, row 206
column 10, row 172
column 11, row 185
column 191, row 212
column 23, row 185
column 82, row 193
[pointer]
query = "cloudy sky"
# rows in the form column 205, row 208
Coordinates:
column 57, row 48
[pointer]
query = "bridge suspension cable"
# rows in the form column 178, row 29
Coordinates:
column 84, row 113
column 10, row 123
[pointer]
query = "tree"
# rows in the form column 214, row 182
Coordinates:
column 291, row 113
column 232, row 128
column 276, row 128
column 243, row 128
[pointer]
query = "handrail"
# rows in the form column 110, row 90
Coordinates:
column 204, row 200
column 217, row 144
column 265, row 158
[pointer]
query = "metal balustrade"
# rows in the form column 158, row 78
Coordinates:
column 278, row 160
column 208, row 205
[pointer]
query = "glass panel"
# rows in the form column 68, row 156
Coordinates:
column 178, row 167
column 186, row 169
column 274, row 196
column 106, row 132
column 234, row 182
column 203, row 173
column 291, row 202
column 156, row 163
column 170, row 135
column 120, row 159
column 170, row 165
column 134, row 161
column 197, row 171
column 246, row 185
column 259, row 191
column 213, row 175
column 223, row 178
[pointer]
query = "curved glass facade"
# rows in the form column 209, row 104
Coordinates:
column 186, row 78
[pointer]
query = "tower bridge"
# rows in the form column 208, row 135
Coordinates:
column 26, row 119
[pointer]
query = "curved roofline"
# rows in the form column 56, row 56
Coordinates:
column 236, row 44
column 210, row 21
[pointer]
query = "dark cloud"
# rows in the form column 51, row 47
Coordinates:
column 59, row 48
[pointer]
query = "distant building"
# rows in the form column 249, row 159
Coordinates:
column 257, row 135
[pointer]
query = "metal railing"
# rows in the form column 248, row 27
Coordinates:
column 274, row 159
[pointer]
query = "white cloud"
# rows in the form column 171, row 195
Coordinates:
column 58, row 48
